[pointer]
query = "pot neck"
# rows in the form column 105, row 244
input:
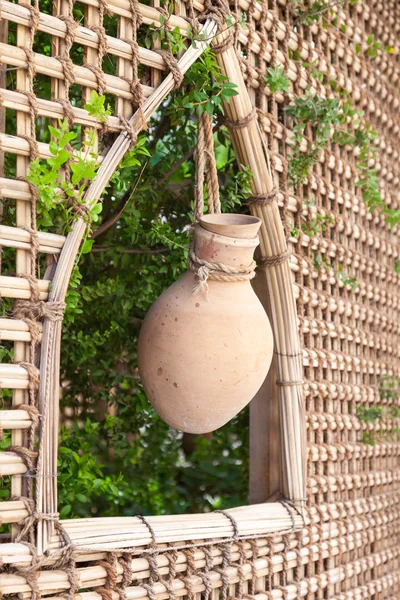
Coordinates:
column 224, row 248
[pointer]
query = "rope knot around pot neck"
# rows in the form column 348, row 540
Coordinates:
column 206, row 169
column 205, row 270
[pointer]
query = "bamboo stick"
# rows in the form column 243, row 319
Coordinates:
column 250, row 151
column 14, row 419
column 48, row 242
column 20, row 146
column 54, row 110
column 11, row 464
column 23, row 262
column 18, row 287
column 15, row 330
column 11, row 188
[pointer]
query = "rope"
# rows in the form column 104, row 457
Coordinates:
column 233, row 523
column 32, row 517
column 149, row 527
column 172, row 64
column 274, row 261
column 206, row 165
column 241, row 123
column 216, row 10
column 263, row 199
column 205, row 159
column 205, row 270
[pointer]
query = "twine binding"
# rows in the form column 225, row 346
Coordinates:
column 205, row 270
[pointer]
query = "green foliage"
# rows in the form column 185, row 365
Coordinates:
column 370, row 47
column 58, row 199
column 317, row 225
column 336, row 120
column 169, row 38
column 276, row 80
column 389, row 391
column 204, row 88
column 349, row 281
column 370, row 415
column 309, row 14
column 96, row 107
column 389, row 388
column 321, row 114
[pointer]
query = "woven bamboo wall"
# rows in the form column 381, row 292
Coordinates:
column 350, row 545
column 350, row 338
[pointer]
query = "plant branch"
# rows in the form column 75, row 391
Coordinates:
column 126, row 198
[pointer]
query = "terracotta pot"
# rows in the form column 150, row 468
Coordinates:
column 202, row 359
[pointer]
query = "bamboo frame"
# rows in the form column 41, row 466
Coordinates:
column 250, row 152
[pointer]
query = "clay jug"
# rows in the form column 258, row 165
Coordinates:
column 203, row 357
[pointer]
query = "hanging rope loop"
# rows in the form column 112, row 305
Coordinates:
column 206, row 172
column 205, row 165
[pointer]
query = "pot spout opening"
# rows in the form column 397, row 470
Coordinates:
column 231, row 225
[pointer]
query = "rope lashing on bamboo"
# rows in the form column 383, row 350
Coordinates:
column 26, row 309
column 129, row 131
column 152, row 560
column 34, row 416
column 240, row 123
column 64, row 557
column 262, row 199
column 149, row 527
column 216, row 10
column 288, row 504
column 273, row 261
column 224, row 45
column 172, row 64
column 32, row 517
column 226, row 554
column 27, row 456
column 79, row 209
column 205, row 160
column 110, row 565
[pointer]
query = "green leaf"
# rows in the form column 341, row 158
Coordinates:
column 65, row 511
column 276, row 80
column 87, row 246
column 82, row 498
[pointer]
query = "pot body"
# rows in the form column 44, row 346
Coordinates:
column 202, row 358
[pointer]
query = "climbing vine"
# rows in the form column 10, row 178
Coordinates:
column 388, row 410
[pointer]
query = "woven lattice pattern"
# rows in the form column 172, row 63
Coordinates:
column 350, row 337
column 347, row 310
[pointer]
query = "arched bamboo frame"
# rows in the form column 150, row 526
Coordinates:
column 251, row 151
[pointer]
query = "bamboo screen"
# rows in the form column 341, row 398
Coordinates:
column 348, row 544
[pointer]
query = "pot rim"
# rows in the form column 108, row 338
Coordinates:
column 231, row 225
column 225, row 240
column 229, row 219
